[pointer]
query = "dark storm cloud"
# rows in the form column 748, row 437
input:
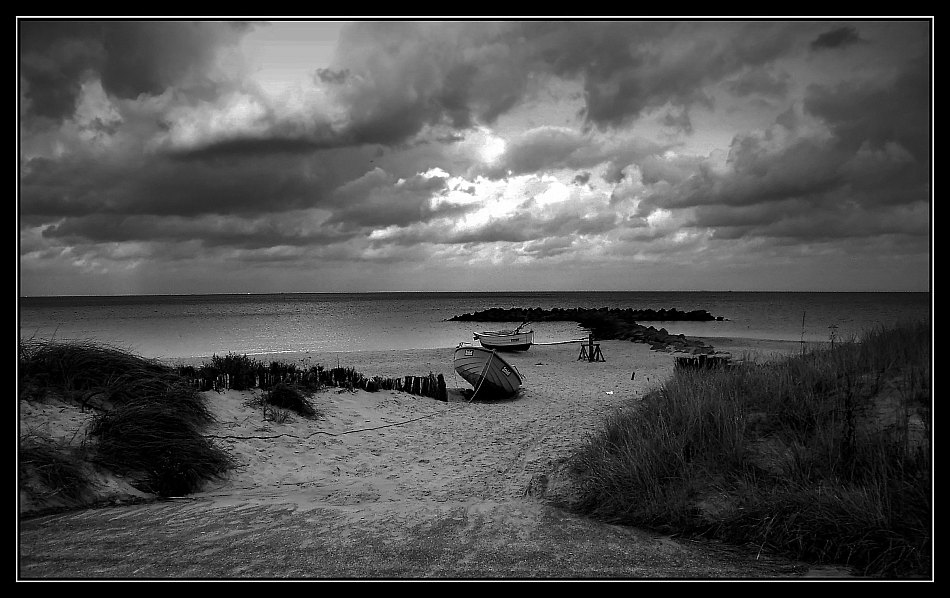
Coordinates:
column 759, row 82
column 378, row 199
column 402, row 76
column 89, row 193
column 416, row 74
column 396, row 78
column 836, row 38
column 817, row 223
column 654, row 169
column 208, row 232
column 273, row 143
column 274, row 135
column 332, row 76
column 450, row 139
column 390, row 124
column 628, row 67
column 53, row 59
column 879, row 111
column 129, row 57
column 757, row 174
column 654, row 181
column 175, row 153
column 678, row 120
column 745, row 218
column 877, row 152
column 84, row 185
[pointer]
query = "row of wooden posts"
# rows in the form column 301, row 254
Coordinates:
column 703, row 361
column 315, row 378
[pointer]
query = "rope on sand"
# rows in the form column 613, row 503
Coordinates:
column 446, row 410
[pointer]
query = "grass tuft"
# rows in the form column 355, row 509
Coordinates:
column 53, row 469
column 287, row 396
column 157, row 440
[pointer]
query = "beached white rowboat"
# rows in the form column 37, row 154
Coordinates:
column 506, row 340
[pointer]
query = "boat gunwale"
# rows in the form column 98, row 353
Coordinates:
column 504, row 333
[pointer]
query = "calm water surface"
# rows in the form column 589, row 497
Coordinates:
column 172, row 326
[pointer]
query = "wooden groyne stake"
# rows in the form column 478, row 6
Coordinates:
column 432, row 386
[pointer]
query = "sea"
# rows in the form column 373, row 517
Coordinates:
column 189, row 326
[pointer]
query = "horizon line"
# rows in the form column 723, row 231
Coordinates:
column 204, row 294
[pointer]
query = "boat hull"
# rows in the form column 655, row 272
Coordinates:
column 506, row 340
column 487, row 372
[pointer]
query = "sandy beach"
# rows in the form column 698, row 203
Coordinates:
column 390, row 485
column 389, row 446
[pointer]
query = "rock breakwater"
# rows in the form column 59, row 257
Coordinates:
column 610, row 323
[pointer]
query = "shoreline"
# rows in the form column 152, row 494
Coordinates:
column 440, row 358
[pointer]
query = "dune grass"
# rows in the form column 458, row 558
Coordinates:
column 289, row 396
column 279, row 402
column 55, row 469
column 155, row 440
column 824, row 456
column 148, row 421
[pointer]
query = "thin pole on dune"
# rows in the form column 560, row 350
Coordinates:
column 803, row 332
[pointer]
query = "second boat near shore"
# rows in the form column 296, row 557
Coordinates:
column 506, row 340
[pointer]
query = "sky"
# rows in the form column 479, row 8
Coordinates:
column 188, row 157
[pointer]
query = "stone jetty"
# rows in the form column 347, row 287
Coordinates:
column 610, row 324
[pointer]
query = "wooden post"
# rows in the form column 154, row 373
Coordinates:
column 442, row 394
